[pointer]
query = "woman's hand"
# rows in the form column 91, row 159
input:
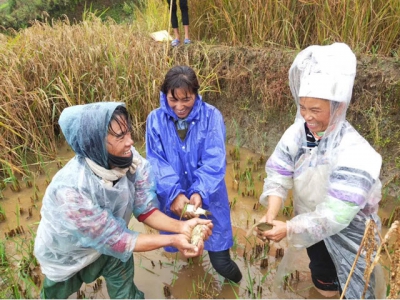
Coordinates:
column 178, row 205
column 187, row 249
column 196, row 200
column 187, row 227
column 182, row 243
column 277, row 233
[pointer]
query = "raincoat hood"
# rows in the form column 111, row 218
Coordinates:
column 328, row 73
column 195, row 164
column 325, row 72
column 85, row 128
column 334, row 180
column 193, row 113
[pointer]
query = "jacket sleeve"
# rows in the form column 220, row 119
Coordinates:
column 145, row 198
column 95, row 227
column 168, row 186
column 351, row 185
column 212, row 165
column 280, row 168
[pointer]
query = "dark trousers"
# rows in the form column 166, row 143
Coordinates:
column 323, row 271
column 224, row 265
column 183, row 5
column 117, row 274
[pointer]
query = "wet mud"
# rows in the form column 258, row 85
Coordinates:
column 164, row 275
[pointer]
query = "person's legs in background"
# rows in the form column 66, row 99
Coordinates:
column 183, row 5
column 174, row 22
column 224, row 265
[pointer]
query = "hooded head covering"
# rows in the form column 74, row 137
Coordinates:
column 325, row 72
column 85, row 128
column 335, row 182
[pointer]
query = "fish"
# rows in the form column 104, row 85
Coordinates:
column 197, row 234
column 199, row 211
column 262, row 226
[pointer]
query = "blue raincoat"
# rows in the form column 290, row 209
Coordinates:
column 82, row 217
column 195, row 165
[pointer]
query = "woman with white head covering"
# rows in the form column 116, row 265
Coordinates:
column 332, row 170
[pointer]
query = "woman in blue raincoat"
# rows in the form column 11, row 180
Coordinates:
column 333, row 173
column 83, row 231
column 185, row 144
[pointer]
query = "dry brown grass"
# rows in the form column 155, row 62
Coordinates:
column 51, row 66
column 367, row 26
column 48, row 67
column 373, row 254
column 394, row 232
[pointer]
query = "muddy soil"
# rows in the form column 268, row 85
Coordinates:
column 164, row 275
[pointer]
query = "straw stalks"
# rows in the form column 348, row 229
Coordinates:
column 51, row 66
column 373, row 255
column 394, row 281
column 367, row 26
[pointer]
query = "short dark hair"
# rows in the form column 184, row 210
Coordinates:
column 180, row 77
column 120, row 112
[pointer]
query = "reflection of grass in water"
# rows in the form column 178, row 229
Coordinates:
column 17, row 213
column 383, row 201
column 27, row 177
column 18, row 269
column 11, row 179
column 236, row 151
column 202, row 288
column 2, row 214
column 233, row 285
column 249, row 283
column 394, row 215
column 3, row 258
column 175, row 269
column 235, row 244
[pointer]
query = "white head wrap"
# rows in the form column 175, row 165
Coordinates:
column 325, row 72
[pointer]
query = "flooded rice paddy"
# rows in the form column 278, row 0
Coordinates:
column 164, row 275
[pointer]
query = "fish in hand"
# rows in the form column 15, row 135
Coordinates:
column 189, row 208
column 197, row 234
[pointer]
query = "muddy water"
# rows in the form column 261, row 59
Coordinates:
column 159, row 274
